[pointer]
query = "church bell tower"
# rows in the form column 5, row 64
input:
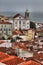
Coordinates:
column 27, row 14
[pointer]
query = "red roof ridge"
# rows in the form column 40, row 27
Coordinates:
column 18, row 14
column 9, row 58
column 3, row 22
column 30, row 62
column 37, row 61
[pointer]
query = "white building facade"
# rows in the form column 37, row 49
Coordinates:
column 21, row 22
column 5, row 28
column 23, row 53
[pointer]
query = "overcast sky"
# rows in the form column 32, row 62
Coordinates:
column 21, row 5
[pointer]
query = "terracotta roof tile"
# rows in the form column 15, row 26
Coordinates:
column 20, row 46
column 3, row 56
column 38, row 56
column 13, row 60
column 10, row 60
column 3, row 22
column 17, row 32
column 2, row 41
column 30, row 63
column 17, row 15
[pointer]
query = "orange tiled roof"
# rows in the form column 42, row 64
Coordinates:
column 3, row 22
column 17, row 32
column 3, row 49
column 9, row 60
column 30, row 63
column 38, row 56
column 40, row 29
column 17, row 15
column 2, row 41
column 3, row 56
column 12, row 60
column 20, row 45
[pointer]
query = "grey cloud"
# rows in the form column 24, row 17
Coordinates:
column 21, row 5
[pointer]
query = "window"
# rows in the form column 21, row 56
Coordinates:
column 1, row 29
column 20, row 24
column 20, row 17
column 9, row 29
column 23, row 23
column 27, row 23
column 2, row 26
column 27, row 26
column 4, row 29
column 5, row 25
column 16, row 23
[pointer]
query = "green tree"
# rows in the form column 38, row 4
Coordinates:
column 13, row 40
column 32, row 25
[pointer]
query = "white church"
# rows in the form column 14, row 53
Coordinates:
column 21, row 22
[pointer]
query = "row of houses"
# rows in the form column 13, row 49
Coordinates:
column 25, row 50
column 17, row 22
column 6, row 59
